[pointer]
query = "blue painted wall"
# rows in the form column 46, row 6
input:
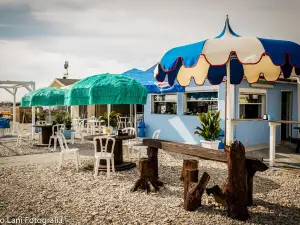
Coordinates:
column 178, row 127
column 258, row 132
column 181, row 127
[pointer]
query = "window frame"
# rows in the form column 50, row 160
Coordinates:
column 253, row 91
column 198, row 90
column 152, row 103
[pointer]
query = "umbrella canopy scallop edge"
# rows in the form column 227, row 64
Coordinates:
column 249, row 57
column 106, row 89
column 44, row 97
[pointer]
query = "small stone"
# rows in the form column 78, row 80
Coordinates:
column 95, row 213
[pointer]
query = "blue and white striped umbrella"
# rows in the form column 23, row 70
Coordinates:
column 249, row 57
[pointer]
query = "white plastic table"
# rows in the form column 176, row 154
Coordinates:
column 273, row 124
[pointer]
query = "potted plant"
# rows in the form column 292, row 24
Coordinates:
column 59, row 117
column 68, row 125
column 113, row 121
column 209, row 130
column 41, row 115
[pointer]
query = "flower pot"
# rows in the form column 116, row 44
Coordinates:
column 210, row 144
column 68, row 134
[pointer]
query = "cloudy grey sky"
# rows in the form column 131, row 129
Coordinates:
column 98, row 36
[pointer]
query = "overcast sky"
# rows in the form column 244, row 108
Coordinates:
column 99, row 36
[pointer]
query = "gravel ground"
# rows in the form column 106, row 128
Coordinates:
column 40, row 191
column 9, row 148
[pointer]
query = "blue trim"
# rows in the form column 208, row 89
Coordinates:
column 287, row 68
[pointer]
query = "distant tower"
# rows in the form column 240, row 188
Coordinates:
column 66, row 66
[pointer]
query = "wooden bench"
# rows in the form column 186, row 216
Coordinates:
column 252, row 164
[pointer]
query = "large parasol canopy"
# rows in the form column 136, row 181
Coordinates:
column 232, row 56
column 106, row 89
column 44, row 97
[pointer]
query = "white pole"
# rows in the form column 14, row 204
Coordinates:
column 33, row 123
column 130, row 110
column 135, row 120
column 130, row 114
column 33, row 118
column 14, row 109
column 108, row 115
column 272, row 143
column 229, row 132
column 50, row 114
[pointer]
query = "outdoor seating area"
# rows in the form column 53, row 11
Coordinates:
column 210, row 134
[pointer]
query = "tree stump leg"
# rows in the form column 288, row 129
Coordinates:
column 152, row 158
column 147, row 180
column 250, row 175
column 194, row 194
column 188, row 164
column 190, row 177
column 236, row 189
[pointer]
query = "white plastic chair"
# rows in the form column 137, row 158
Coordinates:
column 78, row 132
column 120, row 124
column 21, row 134
column 59, row 128
column 127, row 144
column 75, row 123
column 104, row 154
column 140, row 145
column 130, row 121
column 65, row 150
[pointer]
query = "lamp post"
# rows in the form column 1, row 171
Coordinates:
column 66, row 66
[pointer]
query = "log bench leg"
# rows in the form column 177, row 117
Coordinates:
column 152, row 158
column 236, row 189
column 147, row 179
column 250, row 175
column 188, row 164
column 192, row 191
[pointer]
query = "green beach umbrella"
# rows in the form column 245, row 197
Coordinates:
column 44, row 97
column 106, row 89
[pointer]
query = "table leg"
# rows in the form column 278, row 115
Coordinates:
column 272, row 142
column 298, row 147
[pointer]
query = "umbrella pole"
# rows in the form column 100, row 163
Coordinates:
column 32, row 122
column 108, row 115
column 225, row 136
column 228, row 103
column 50, row 114
column 135, row 119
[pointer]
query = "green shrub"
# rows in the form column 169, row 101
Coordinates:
column 113, row 118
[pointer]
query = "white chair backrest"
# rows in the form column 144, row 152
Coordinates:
column 102, row 129
column 92, row 118
column 129, row 130
column 104, row 147
column 118, row 118
column 80, row 126
column 62, row 141
column 58, row 128
column 156, row 134
column 41, row 122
